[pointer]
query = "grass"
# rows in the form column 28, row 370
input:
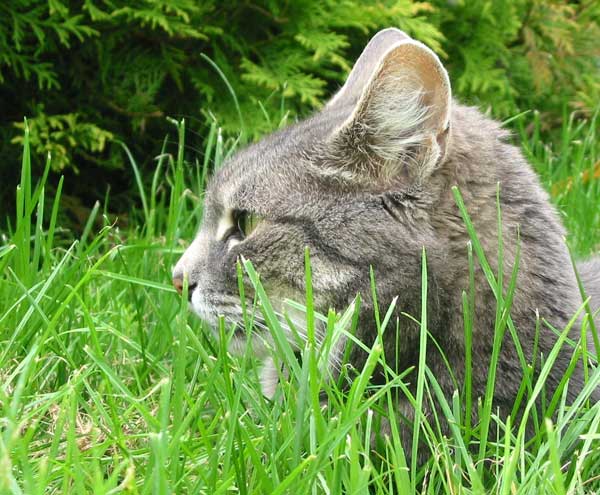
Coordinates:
column 108, row 385
column 569, row 167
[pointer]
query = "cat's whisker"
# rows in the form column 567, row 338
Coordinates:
column 333, row 358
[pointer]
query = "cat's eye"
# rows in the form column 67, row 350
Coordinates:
column 246, row 222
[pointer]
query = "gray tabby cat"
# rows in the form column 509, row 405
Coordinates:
column 367, row 182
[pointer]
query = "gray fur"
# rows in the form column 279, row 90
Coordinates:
column 321, row 183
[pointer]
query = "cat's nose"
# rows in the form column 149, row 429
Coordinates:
column 178, row 283
column 178, row 275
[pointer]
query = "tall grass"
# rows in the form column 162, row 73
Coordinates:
column 569, row 166
column 108, row 385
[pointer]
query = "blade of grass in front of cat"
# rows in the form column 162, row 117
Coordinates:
column 282, row 345
column 468, row 318
column 420, row 372
column 588, row 310
column 539, row 385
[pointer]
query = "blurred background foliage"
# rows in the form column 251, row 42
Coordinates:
column 90, row 74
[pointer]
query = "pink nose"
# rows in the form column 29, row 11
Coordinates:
column 178, row 283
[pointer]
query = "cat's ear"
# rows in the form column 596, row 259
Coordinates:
column 399, row 124
column 365, row 66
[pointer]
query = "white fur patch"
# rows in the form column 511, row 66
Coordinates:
column 269, row 378
column 225, row 224
column 203, row 310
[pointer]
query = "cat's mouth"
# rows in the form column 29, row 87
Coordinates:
column 219, row 310
column 222, row 309
column 214, row 307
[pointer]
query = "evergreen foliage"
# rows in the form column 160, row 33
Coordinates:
column 91, row 72
column 525, row 54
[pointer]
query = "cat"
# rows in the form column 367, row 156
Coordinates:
column 367, row 182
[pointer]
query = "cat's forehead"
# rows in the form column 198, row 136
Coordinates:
column 253, row 169
column 273, row 169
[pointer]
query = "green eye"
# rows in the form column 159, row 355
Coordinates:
column 247, row 222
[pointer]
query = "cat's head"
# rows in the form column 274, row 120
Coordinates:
column 355, row 183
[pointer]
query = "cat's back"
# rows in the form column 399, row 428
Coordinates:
column 589, row 271
column 490, row 172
